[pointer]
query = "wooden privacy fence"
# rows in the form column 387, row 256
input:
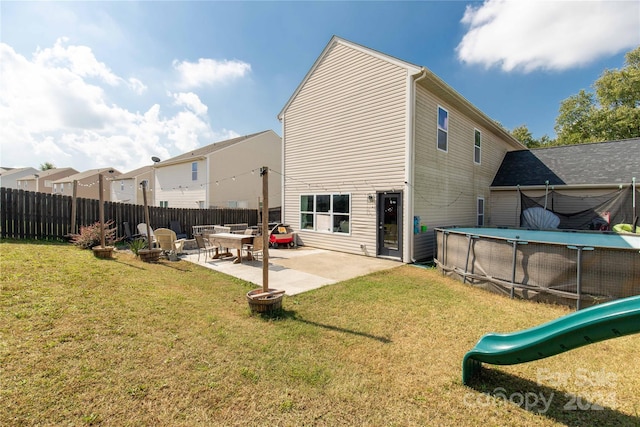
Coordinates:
column 32, row 215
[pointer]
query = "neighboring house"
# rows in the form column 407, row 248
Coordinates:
column 223, row 174
column 127, row 188
column 10, row 176
column 576, row 178
column 42, row 181
column 378, row 151
column 87, row 183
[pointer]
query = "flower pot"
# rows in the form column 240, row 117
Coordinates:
column 149, row 255
column 266, row 303
column 105, row 252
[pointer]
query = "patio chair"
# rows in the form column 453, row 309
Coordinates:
column 175, row 226
column 203, row 246
column 255, row 248
column 169, row 243
column 128, row 237
column 142, row 229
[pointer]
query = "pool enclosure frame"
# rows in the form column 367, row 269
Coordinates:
column 519, row 263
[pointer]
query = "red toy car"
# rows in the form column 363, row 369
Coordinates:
column 281, row 235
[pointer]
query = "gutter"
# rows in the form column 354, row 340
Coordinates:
column 558, row 187
column 410, row 158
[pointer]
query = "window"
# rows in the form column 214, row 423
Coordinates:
column 443, row 128
column 476, row 147
column 480, row 211
column 194, row 171
column 164, row 203
column 47, row 183
column 329, row 213
column 121, row 185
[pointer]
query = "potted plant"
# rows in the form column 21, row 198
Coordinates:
column 90, row 238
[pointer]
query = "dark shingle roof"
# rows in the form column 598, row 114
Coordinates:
column 611, row 162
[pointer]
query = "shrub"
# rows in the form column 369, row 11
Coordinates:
column 136, row 245
column 89, row 235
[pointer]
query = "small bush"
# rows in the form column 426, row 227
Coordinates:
column 89, row 235
column 136, row 245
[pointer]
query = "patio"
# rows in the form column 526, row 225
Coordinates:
column 297, row 270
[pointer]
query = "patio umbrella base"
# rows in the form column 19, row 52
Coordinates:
column 265, row 302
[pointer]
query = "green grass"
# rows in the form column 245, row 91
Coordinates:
column 120, row 342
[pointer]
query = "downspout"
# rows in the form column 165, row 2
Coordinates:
column 410, row 158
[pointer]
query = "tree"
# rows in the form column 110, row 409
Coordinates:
column 46, row 166
column 613, row 112
column 522, row 134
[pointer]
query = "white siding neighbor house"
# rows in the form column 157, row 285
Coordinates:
column 223, row 174
column 126, row 188
column 9, row 178
column 377, row 152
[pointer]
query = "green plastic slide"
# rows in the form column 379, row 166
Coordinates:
column 597, row 323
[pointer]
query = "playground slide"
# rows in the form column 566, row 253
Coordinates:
column 597, row 323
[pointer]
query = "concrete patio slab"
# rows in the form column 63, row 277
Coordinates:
column 298, row 270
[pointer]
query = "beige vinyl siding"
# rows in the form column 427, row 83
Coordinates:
column 447, row 185
column 345, row 132
column 243, row 161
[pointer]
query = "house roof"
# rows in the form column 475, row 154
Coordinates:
column 82, row 175
column 201, row 152
column 16, row 171
column 49, row 172
column 602, row 163
column 424, row 77
column 134, row 173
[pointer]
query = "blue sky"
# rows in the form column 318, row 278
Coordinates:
column 96, row 84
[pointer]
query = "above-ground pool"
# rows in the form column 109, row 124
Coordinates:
column 581, row 268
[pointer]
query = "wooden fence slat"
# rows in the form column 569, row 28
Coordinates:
column 32, row 215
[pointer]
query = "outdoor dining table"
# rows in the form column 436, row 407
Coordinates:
column 230, row 241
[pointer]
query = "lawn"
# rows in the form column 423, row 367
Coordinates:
column 120, row 342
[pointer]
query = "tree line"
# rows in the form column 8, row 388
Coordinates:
column 610, row 112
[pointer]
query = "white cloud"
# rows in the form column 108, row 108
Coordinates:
column 137, row 86
column 209, row 71
column 552, row 35
column 191, row 101
column 57, row 107
column 79, row 60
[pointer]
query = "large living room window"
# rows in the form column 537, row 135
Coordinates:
column 443, row 129
column 329, row 213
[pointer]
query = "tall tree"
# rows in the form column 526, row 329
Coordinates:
column 46, row 166
column 613, row 112
column 523, row 134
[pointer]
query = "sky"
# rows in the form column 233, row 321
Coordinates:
column 111, row 84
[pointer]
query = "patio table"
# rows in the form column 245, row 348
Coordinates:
column 230, row 241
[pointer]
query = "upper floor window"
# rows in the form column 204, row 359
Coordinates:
column 122, row 185
column 443, row 128
column 194, row 171
column 477, row 151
